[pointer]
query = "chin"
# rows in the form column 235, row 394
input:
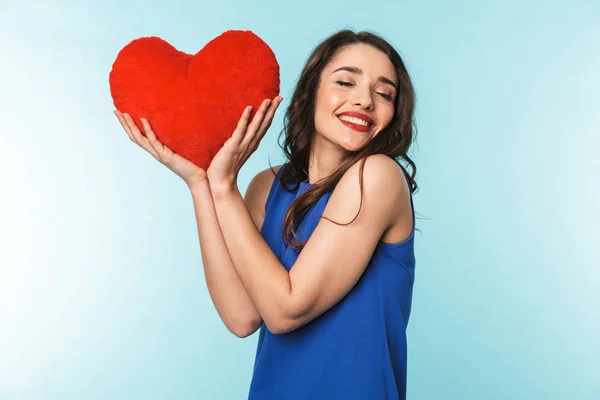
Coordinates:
column 353, row 146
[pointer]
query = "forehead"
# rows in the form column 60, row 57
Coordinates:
column 366, row 57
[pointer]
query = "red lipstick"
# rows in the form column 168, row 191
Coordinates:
column 356, row 127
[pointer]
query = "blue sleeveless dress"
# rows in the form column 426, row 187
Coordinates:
column 356, row 350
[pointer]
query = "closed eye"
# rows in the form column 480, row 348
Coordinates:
column 384, row 95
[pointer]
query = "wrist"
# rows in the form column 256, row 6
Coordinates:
column 222, row 190
column 198, row 184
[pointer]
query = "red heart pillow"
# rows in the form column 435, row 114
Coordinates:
column 194, row 102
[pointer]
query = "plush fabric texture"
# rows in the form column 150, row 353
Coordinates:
column 194, row 102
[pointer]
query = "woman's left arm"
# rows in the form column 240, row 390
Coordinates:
column 333, row 258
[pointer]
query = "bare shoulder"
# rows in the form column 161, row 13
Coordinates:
column 385, row 196
column 386, row 173
column 257, row 193
column 380, row 171
column 379, row 166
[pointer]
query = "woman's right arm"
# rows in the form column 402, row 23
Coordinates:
column 229, row 296
column 227, row 292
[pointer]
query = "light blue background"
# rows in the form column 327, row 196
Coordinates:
column 102, row 292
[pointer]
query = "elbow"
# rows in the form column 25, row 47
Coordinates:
column 295, row 315
column 284, row 323
column 243, row 330
column 280, row 326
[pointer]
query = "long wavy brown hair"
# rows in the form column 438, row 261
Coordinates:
column 299, row 126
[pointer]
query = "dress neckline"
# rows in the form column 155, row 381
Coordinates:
column 306, row 184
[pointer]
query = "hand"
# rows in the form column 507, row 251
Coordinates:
column 185, row 169
column 225, row 165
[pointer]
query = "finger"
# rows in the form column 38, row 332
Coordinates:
column 236, row 137
column 255, row 124
column 266, row 122
column 140, row 139
column 157, row 147
column 133, row 129
column 124, row 124
column 269, row 116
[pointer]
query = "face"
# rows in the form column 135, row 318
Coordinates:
column 355, row 99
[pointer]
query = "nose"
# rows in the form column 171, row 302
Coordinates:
column 363, row 99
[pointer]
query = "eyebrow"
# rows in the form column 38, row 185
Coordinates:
column 359, row 71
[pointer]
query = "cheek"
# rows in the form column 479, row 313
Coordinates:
column 387, row 116
column 335, row 101
column 329, row 101
column 326, row 106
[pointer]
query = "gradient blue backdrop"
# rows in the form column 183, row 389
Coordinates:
column 102, row 292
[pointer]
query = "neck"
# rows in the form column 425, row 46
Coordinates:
column 324, row 159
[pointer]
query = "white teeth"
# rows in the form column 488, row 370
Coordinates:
column 354, row 120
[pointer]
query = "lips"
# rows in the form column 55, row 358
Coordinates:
column 352, row 125
column 358, row 115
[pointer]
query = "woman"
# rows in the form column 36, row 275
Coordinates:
column 334, row 325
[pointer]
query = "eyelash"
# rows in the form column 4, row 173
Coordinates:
column 385, row 96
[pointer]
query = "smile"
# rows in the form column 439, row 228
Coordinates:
column 354, row 120
column 356, row 124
